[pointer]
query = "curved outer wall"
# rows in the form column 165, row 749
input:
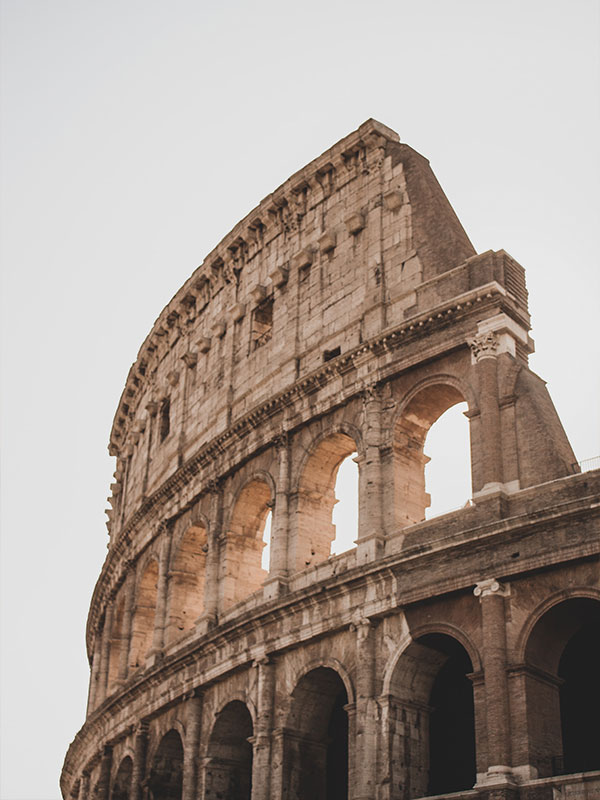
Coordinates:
column 344, row 314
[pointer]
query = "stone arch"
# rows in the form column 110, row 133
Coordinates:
column 546, row 605
column 142, row 629
column 228, row 772
column 242, row 573
column 559, row 681
column 121, row 785
column 186, row 582
column 328, row 663
column 238, row 697
column 165, row 774
column 315, row 494
column 430, row 716
column 418, row 411
column 315, row 737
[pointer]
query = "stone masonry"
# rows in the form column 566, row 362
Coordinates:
column 458, row 655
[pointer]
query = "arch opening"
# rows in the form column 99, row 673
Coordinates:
column 432, row 719
column 122, row 783
column 315, row 530
column 243, row 572
column 165, row 781
column 448, row 470
column 142, row 630
column 229, row 770
column 316, row 738
column 186, row 583
column 562, row 688
column 345, row 511
column 411, row 465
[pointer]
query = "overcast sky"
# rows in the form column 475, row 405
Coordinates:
column 136, row 134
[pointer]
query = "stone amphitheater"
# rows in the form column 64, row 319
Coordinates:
column 457, row 655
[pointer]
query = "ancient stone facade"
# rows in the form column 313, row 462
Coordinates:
column 343, row 315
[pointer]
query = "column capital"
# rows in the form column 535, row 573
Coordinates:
column 484, row 345
column 491, row 586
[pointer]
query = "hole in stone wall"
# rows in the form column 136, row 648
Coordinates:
column 262, row 324
column 329, row 354
column 448, row 472
column 345, row 512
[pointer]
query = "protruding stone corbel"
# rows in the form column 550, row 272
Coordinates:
column 237, row 312
column 393, row 200
column 173, row 377
column 327, row 242
column 204, row 344
column 355, row 223
column 190, row 359
column 484, row 346
column 219, row 328
column 303, row 259
column 279, row 276
column 258, row 293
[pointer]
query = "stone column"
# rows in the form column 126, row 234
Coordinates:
column 192, row 743
column 211, row 577
column 278, row 568
column 103, row 785
column 94, row 677
column 365, row 742
column 484, row 357
column 491, row 595
column 355, row 768
column 105, row 653
column 371, row 534
column 261, row 761
column 138, row 771
column 162, row 588
column 84, row 786
column 126, row 624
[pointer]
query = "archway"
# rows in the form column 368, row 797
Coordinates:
column 166, row 771
column 448, row 471
column 242, row 567
column 345, row 512
column 142, row 629
column 316, row 499
column 411, row 499
column 431, row 719
column 186, row 583
column 121, row 788
column 316, row 738
column 229, row 770
column 562, row 688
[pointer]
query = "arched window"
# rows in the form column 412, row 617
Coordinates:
column 432, row 719
column 316, row 741
column 243, row 572
column 229, row 770
column 411, row 499
column 448, row 471
column 562, row 688
column 315, row 531
column 142, row 631
column 345, row 511
column 186, row 583
column 166, row 769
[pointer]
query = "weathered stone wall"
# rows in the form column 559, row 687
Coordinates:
column 345, row 314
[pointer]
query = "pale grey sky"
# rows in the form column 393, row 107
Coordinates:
column 135, row 134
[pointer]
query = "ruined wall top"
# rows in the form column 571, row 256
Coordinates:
column 354, row 244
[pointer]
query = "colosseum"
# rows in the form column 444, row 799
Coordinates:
column 456, row 655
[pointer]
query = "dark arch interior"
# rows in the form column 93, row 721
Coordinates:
column 452, row 765
column 122, row 783
column 316, row 752
column 579, row 668
column 165, row 782
column 229, row 773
